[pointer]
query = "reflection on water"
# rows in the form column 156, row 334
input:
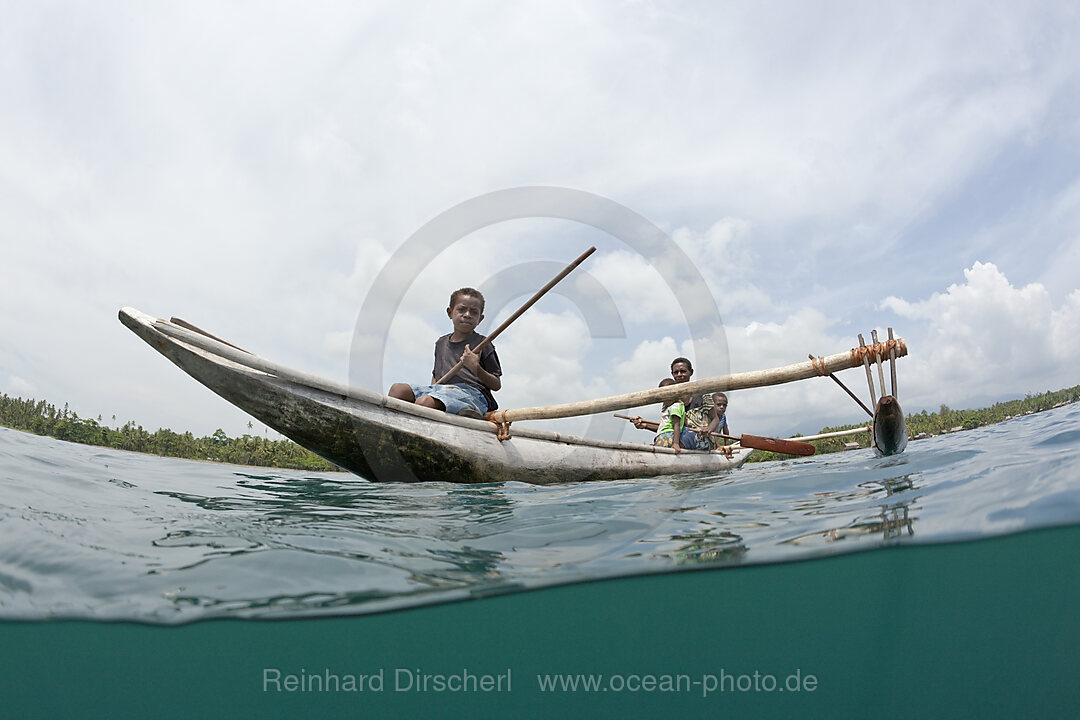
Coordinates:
column 890, row 520
column 720, row 548
column 422, row 538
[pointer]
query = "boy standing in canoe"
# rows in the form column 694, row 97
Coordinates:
column 469, row 391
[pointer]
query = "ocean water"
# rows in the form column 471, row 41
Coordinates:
column 985, row 523
column 92, row 533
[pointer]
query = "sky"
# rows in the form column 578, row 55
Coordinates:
column 762, row 180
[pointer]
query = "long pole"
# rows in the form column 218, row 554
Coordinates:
column 532, row 301
column 877, row 359
column 737, row 381
column 869, row 376
column 848, row 391
column 892, row 366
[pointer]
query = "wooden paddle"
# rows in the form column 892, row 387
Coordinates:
column 788, row 447
column 539, row 294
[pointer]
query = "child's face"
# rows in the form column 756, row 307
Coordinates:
column 721, row 405
column 466, row 314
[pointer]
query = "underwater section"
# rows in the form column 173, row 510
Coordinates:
column 977, row 629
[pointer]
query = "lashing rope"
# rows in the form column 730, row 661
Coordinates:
column 502, row 425
column 872, row 352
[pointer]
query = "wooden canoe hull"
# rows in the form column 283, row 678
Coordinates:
column 383, row 439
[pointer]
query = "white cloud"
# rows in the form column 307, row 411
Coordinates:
column 370, row 257
column 986, row 338
column 724, row 255
column 410, row 350
column 797, row 407
column 722, row 246
column 761, row 345
column 1059, row 231
column 646, row 366
column 18, row 387
column 637, row 287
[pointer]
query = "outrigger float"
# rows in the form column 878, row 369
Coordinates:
column 384, row 439
column 888, row 429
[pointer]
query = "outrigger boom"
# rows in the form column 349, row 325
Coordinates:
column 824, row 366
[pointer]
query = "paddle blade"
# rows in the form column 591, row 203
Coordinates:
column 788, row 447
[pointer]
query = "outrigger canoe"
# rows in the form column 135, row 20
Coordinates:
column 381, row 438
column 384, row 439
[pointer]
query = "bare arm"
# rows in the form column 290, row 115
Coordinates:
column 642, row 424
column 714, row 421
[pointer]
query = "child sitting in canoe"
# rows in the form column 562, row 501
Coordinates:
column 702, row 412
column 720, row 403
column 689, row 437
column 469, row 391
column 672, row 431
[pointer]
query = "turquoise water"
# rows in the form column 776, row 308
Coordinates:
column 889, row 608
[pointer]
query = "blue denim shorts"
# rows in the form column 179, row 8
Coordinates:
column 455, row 397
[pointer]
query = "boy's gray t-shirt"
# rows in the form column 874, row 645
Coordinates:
column 447, row 355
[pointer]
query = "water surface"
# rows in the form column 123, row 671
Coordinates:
column 92, row 533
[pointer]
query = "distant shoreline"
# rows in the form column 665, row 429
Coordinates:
column 42, row 418
column 334, row 469
column 944, row 421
